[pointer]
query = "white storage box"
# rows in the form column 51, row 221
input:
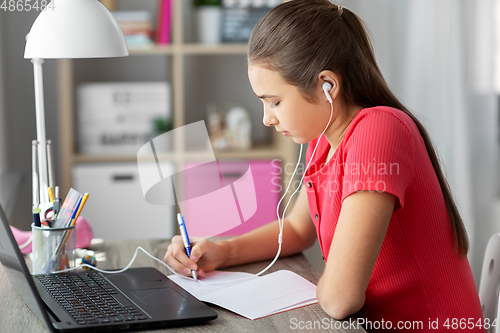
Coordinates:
column 117, row 118
column 116, row 208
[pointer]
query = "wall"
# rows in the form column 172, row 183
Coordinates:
column 3, row 137
column 19, row 103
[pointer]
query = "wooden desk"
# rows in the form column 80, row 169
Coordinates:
column 15, row 316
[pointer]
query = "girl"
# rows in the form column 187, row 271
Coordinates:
column 375, row 196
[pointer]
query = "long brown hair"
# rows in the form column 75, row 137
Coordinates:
column 301, row 38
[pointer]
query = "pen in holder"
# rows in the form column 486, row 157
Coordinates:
column 53, row 249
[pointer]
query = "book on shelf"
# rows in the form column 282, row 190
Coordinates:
column 164, row 22
column 137, row 27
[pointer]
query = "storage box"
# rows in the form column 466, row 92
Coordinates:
column 228, row 211
column 116, row 208
column 117, row 118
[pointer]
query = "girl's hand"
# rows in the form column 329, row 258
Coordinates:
column 206, row 256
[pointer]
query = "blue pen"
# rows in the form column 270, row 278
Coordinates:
column 185, row 239
column 74, row 213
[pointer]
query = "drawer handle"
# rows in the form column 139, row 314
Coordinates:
column 121, row 178
column 231, row 175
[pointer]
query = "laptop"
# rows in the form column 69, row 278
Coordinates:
column 140, row 298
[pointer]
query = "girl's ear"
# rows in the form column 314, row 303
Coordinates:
column 331, row 78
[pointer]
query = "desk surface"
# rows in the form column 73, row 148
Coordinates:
column 15, row 316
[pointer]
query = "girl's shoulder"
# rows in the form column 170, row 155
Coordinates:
column 384, row 115
column 381, row 122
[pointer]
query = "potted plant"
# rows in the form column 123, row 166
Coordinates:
column 162, row 143
column 209, row 16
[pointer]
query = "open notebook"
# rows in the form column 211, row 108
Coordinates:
column 249, row 295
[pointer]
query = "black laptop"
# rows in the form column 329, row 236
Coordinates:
column 140, row 298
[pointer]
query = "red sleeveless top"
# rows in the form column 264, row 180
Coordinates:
column 417, row 277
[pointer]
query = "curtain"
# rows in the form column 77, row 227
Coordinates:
column 438, row 58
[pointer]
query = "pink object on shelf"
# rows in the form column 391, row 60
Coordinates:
column 164, row 24
column 246, row 198
column 84, row 235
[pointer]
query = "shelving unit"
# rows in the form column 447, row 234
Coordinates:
column 278, row 147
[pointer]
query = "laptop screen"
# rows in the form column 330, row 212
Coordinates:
column 17, row 272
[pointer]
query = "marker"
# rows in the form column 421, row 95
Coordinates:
column 57, row 202
column 50, row 168
column 51, row 195
column 36, row 217
column 185, row 239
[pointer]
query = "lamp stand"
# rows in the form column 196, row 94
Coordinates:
column 40, row 130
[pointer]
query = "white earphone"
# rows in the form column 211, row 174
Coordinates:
column 326, row 88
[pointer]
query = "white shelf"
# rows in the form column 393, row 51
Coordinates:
column 187, row 49
column 268, row 152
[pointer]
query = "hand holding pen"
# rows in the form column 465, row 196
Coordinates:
column 205, row 255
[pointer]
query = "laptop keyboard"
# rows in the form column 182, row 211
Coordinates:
column 90, row 299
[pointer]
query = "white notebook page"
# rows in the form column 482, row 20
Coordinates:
column 249, row 295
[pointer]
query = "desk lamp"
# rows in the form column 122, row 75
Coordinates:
column 68, row 29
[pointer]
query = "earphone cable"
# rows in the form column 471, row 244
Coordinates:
column 281, row 221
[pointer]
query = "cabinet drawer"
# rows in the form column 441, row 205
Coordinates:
column 116, row 208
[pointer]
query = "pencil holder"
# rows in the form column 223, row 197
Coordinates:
column 53, row 249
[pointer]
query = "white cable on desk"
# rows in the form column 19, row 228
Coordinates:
column 132, row 261
column 121, row 270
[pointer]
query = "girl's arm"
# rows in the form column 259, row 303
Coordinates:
column 299, row 233
column 361, row 228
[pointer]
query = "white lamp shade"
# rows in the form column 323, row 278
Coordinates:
column 75, row 29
